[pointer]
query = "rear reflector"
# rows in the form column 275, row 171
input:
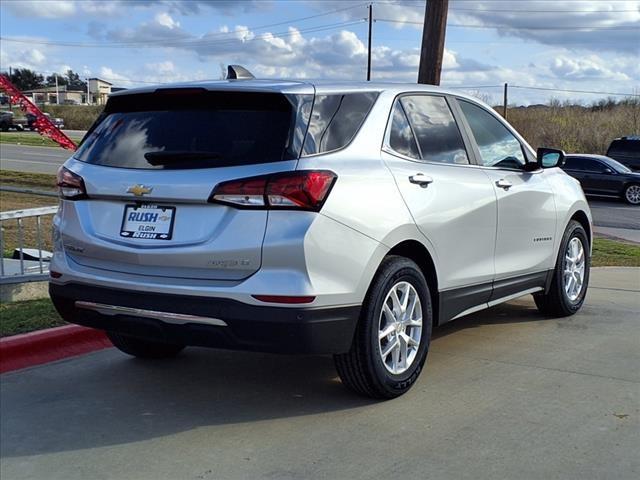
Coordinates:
column 283, row 299
column 299, row 190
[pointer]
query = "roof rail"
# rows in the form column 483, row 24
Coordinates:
column 238, row 72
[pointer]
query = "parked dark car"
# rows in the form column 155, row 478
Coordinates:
column 58, row 122
column 600, row 175
column 626, row 150
column 7, row 122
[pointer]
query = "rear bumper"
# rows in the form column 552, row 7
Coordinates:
column 248, row 327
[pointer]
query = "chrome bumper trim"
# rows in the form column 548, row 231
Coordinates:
column 169, row 317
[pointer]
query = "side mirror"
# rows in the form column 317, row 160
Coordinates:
column 550, row 157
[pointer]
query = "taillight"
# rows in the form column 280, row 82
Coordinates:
column 300, row 190
column 70, row 185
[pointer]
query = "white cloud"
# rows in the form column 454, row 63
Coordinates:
column 166, row 20
column 42, row 8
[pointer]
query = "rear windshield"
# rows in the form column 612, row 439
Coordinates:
column 625, row 148
column 178, row 129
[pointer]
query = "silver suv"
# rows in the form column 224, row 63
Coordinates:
column 323, row 218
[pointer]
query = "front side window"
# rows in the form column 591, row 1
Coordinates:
column 335, row 120
column 438, row 136
column 498, row 147
column 401, row 137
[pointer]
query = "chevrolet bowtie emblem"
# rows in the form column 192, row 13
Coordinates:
column 139, row 190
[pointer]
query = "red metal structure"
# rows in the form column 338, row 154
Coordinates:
column 42, row 124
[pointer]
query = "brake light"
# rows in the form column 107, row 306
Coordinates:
column 70, row 185
column 300, row 190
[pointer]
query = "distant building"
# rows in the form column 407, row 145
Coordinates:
column 99, row 90
column 49, row 95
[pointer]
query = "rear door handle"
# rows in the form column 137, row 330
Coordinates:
column 421, row 179
column 502, row 183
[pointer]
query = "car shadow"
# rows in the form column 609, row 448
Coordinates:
column 107, row 398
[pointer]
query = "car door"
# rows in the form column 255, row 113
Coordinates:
column 573, row 166
column 451, row 201
column 599, row 178
column 526, row 207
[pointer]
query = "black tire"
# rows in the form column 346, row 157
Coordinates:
column 141, row 348
column 362, row 369
column 634, row 200
column 556, row 302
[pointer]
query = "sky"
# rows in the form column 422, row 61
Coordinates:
column 543, row 45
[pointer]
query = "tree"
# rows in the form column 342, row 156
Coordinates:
column 74, row 81
column 25, row 79
column 62, row 80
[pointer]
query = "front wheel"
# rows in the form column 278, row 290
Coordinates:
column 570, row 277
column 392, row 337
column 139, row 347
column 632, row 194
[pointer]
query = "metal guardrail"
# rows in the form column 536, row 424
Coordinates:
column 28, row 191
column 21, row 270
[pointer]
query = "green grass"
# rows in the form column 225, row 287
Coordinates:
column 29, row 139
column 38, row 181
column 612, row 253
column 27, row 316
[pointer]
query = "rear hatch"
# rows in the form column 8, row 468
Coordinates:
column 149, row 166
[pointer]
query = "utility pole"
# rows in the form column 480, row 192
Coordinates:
column 433, row 33
column 369, row 48
column 88, row 93
column 504, row 102
column 57, row 91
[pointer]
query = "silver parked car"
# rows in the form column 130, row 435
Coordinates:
column 298, row 217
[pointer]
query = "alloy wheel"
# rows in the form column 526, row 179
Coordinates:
column 574, row 269
column 400, row 328
column 632, row 194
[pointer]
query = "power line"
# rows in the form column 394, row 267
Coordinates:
column 522, row 87
column 195, row 42
column 401, row 3
column 513, row 27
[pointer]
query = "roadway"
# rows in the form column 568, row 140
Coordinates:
column 32, row 159
column 505, row 393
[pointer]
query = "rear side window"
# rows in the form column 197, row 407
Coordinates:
column 498, row 147
column 439, row 138
column 335, row 120
column 401, row 137
column 201, row 129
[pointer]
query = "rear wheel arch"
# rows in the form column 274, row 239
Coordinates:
column 417, row 252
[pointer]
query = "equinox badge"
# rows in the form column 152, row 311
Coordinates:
column 139, row 190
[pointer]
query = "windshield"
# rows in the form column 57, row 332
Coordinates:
column 617, row 166
column 200, row 129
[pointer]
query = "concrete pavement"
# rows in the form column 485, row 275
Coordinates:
column 32, row 159
column 506, row 394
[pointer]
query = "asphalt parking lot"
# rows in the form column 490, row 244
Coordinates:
column 506, row 394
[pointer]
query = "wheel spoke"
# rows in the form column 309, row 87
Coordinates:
column 386, row 332
column 391, row 316
column 390, row 347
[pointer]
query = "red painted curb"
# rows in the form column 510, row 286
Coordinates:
column 35, row 348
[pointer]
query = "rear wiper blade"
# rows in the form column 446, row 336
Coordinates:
column 168, row 157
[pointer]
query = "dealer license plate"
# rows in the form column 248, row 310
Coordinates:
column 153, row 222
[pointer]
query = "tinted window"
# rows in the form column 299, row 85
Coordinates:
column 401, row 137
column 572, row 163
column 195, row 130
column 335, row 120
column 498, row 147
column 438, row 136
column 590, row 165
